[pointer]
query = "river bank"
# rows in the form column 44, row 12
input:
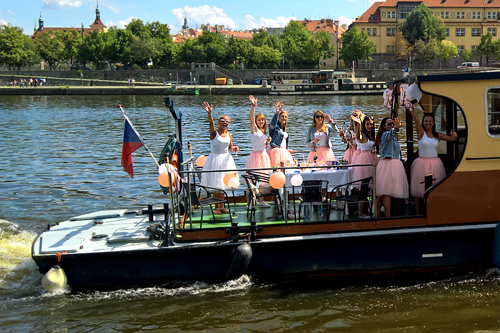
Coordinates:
column 138, row 90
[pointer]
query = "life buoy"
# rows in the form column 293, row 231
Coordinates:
column 277, row 81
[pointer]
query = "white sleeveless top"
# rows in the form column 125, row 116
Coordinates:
column 283, row 143
column 322, row 138
column 258, row 141
column 428, row 147
column 366, row 146
column 219, row 145
column 358, row 145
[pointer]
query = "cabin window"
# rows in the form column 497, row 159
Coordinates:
column 493, row 112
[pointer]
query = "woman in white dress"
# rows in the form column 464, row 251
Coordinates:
column 219, row 159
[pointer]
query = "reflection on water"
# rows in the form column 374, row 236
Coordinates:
column 61, row 158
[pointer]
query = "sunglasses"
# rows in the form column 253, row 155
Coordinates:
column 389, row 124
column 318, row 116
column 224, row 121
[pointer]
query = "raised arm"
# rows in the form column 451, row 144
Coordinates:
column 452, row 137
column 418, row 126
column 357, row 130
column 253, row 127
column 209, row 108
column 329, row 122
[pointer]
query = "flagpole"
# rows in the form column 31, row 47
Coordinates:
column 144, row 144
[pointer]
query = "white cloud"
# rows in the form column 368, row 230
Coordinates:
column 115, row 10
column 344, row 20
column 10, row 12
column 61, row 4
column 279, row 22
column 197, row 16
column 3, row 22
column 120, row 24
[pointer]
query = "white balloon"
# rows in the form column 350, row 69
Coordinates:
column 296, row 180
column 233, row 183
column 413, row 92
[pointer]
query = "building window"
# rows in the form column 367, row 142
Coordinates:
column 493, row 112
column 375, row 49
column 476, row 15
column 369, row 31
column 445, row 15
column 362, row 29
column 390, row 48
column 374, row 31
column 473, row 48
column 391, row 31
column 391, row 14
column 404, row 10
column 491, row 15
column 461, row 48
column 493, row 31
column 476, row 32
column 460, row 32
column 447, row 32
column 460, row 15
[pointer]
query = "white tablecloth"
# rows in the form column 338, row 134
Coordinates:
column 334, row 177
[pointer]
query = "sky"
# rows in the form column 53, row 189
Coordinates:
column 235, row 15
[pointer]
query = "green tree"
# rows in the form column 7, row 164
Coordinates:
column 426, row 51
column 467, row 54
column 421, row 24
column 142, row 49
column 319, row 47
column 487, row 47
column 117, row 45
column 93, row 48
column 356, row 46
column 16, row 49
column 265, row 55
column 238, row 50
column 71, row 43
column 137, row 27
column 295, row 40
column 448, row 50
column 51, row 48
column 399, row 49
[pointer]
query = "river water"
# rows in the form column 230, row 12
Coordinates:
column 61, row 157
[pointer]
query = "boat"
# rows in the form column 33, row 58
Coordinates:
column 322, row 82
column 456, row 231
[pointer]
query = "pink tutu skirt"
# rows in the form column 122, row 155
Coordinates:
column 365, row 157
column 421, row 167
column 391, row 179
column 258, row 159
column 355, row 156
column 348, row 155
column 324, row 154
column 277, row 155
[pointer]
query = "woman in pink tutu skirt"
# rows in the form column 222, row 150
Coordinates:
column 428, row 161
column 354, row 127
column 390, row 179
column 366, row 140
column 278, row 150
column 318, row 138
column 259, row 157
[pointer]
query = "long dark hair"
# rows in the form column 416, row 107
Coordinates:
column 370, row 134
column 381, row 131
column 434, row 132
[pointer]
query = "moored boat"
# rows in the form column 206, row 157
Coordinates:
column 322, row 82
column 455, row 230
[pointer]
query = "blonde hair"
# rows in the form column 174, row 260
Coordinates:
column 356, row 113
column 264, row 128
column 323, row 126
column 283, row 126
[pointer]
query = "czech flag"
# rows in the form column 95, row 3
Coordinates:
column 131, row 142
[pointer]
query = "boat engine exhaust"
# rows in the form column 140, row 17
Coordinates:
column 241, row 259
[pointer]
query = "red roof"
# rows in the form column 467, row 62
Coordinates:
column 324, row 24
column 372, row 15
column 86, row 31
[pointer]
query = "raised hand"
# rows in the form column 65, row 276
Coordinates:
column 397, row 122
column 355, row 119
column 253, row 100
column 327, row 118
column 208, row 107
column 279, row 106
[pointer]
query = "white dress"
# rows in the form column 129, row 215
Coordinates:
column 219, row 159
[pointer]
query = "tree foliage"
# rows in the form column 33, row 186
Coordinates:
column 356, row 45
column 421, row 24
column 448, row 50
column 487, row 48
column 16, row 49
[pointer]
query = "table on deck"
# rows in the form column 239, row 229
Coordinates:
column 333, row 176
